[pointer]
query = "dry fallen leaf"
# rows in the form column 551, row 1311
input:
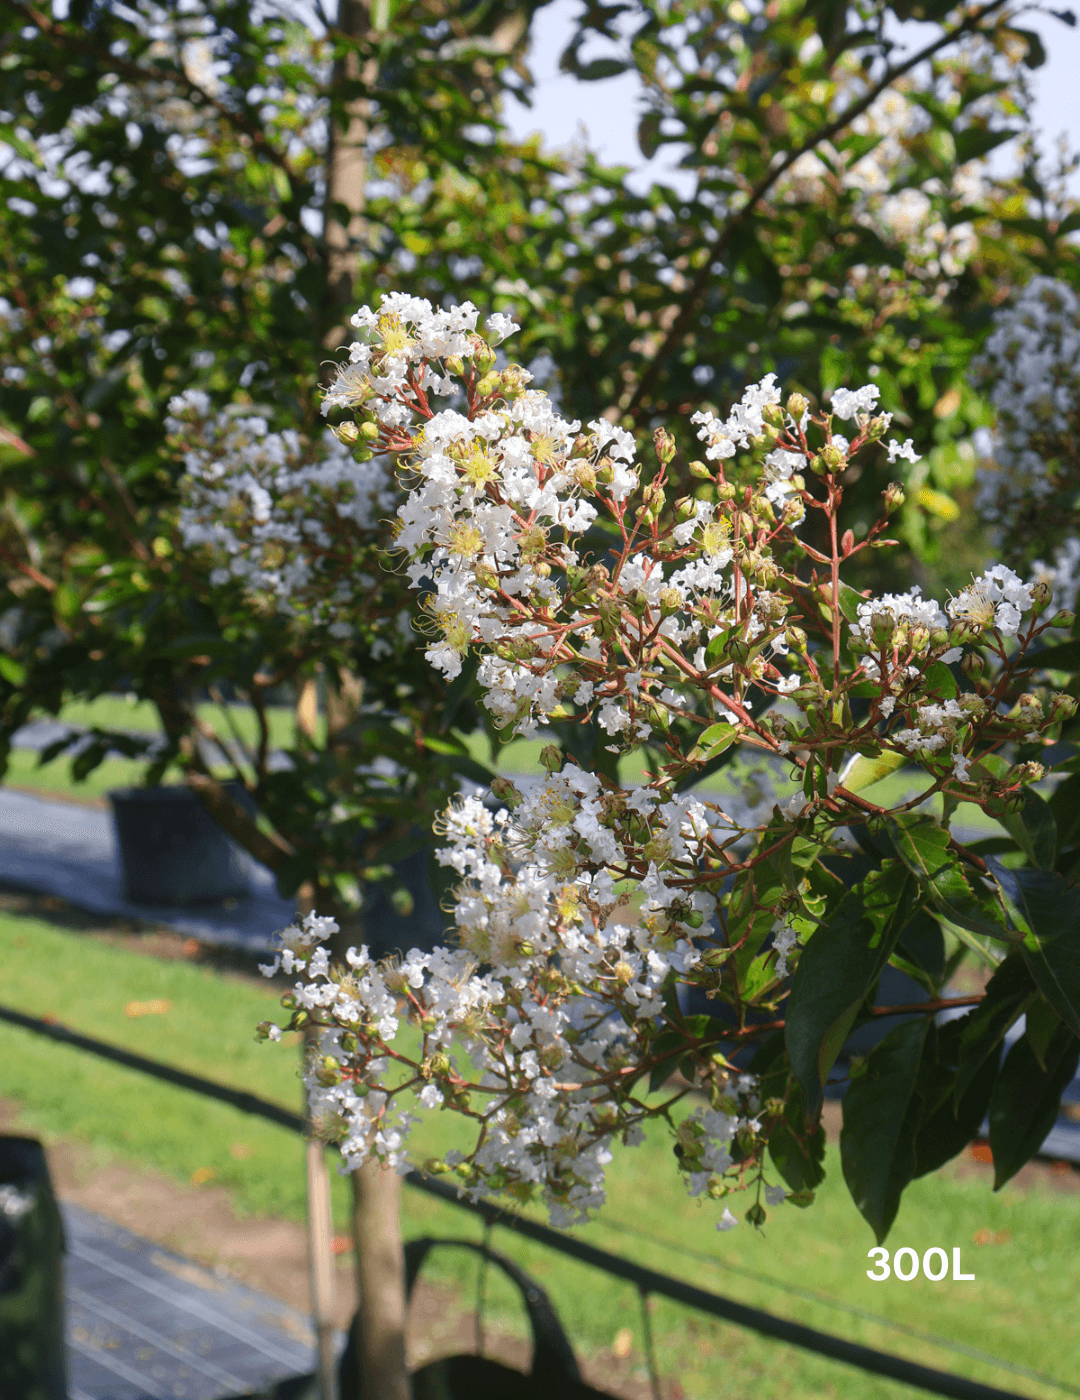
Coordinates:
column 157, row 1007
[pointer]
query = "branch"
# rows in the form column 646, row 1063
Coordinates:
column 681, row 323
column 150, row 74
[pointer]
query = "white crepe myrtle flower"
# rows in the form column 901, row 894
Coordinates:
column 551, row 556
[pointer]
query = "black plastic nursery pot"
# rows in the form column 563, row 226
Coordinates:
column 171, row 849
column 32, row 1358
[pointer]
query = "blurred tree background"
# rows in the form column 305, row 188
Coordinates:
column 197, row 194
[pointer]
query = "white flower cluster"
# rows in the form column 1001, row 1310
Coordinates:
column 910, row 217
column 581, row 907
column 506, row 489
column 528, row 1048
column 280, row 514
column 1031, row 371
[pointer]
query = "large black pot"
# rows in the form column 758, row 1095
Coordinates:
column 171, row 849
column 32, row 1359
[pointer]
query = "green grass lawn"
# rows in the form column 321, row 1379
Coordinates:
column 1016, row 1308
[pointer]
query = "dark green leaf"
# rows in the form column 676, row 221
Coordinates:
column 1065, row 657
column 1049, row 905
column 979, row 141
column 981, row 1031
column 838, row 967
column 923, row 846
column 1040, row 1023
column 948, row 1124
column 1064, row 803
column 649, row 134
column 921, row 942
column 941, row 680
column 1026, row 1101
column 881, row 1115
column 1033, row 829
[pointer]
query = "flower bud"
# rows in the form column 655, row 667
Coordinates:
column 505, row 791
column 1041, row 595
column 369, row 431
column 348, row 433
column 882, row 625
column 483, row 356
column 551, row 757
column 454, row 364
column 972, row 664
column 699, row 469
column 834, row 457
column 725, row 491
column 665, row 446
column 488, row 384
column 1062, row 706
column 877, row 428
column 920, row 639
column 796, row 639
column 773, row 415
column 685, row 507
column 1064, row 619
column 797, row 405
column 893, row 496
column 818, row 465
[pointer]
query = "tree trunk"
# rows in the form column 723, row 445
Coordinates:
column 346, row 175
column 380, row 1267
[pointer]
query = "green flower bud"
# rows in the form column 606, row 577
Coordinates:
column 894, row 497
column 699, row 469
column 665, row 446
column 834, row 457
column 348, row 433
column 797, row 405
column 551, row 757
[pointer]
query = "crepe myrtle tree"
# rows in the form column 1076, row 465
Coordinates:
column 587, row 907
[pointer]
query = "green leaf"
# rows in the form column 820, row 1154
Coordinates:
column 976, row 141
column 1049, row 906
column 861, row 772
column 1033, row 829
column 798, row 1156
column 1064, row 804
column 941, row 680
column 1065, row 657
column 1036, row 54
column 649, row 134
column 950, row 1124
column 1026, row 1101
column 840, row 964
column 923, row 846
column 921, row 950
column 12, row 671
column 881, row 1114
column 981, row 1031
column 713, row 741
column 1040, row 1023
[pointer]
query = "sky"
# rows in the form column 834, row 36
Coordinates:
column 604, row 114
